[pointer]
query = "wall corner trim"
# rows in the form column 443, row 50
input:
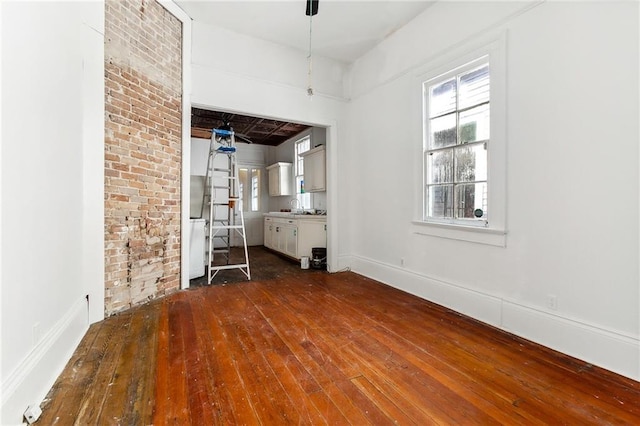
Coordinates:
column 185, row 188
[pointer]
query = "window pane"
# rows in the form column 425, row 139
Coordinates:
column 255, row 190
column 471, row 201
column 442, row 98
column 301, row 146
column 304, row 200
column 474, row 87
column 455, row 141
column 471, row 163
column 440, row 201
column 299, row 184
column 244, row 188
column 440, row 166
column 299, row 165
column 475, row 124
column 442, row 131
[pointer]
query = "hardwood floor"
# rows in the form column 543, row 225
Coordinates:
column 322, row 349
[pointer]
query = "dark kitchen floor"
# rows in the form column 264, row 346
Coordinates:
column 264, row 264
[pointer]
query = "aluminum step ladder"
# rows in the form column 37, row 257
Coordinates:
column 223, row 197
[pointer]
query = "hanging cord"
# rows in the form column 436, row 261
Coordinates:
column 309, row 88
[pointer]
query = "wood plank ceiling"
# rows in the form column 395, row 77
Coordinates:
column 257, row 130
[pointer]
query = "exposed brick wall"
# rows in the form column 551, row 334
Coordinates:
column 143, row 89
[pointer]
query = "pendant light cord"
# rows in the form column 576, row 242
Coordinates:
column 309, row 88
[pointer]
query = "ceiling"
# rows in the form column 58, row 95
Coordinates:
column 343, row 30
column 262, row 131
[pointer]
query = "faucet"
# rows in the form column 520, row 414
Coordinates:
column 297, row 205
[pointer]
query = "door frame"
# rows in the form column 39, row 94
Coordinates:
column 331, row 129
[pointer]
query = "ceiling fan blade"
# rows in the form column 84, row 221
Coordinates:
column 242, row 138
column 312, row 7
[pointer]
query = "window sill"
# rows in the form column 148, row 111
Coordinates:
column 473, row 234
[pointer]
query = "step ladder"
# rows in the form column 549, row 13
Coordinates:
column 223, row 198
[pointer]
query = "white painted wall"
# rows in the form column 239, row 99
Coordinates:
column 238, row 73
column 235, row 73
column 253, row 58
column 572, row 166
column 52, row 162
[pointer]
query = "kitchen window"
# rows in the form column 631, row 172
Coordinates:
column 304, row 198
column 250, row 183
column 461, row 166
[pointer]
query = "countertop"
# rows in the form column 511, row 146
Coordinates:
column 291, row 215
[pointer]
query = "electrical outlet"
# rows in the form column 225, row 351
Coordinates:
column 552, row 302
column 32, row 413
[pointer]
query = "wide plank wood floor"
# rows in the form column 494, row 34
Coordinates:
column 322, row 349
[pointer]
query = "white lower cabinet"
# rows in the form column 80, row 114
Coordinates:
column 311, row 233
column 278, row 237
column 290, row 236
column 294, row 237
column 281, row 235
column 269, row 227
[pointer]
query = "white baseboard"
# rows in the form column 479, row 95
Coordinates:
column 605, row 348
column 608, row 349
column 29, row 383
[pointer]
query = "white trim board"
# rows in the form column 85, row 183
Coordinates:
column 185, row 188
column 29, row 383
column 593, row 344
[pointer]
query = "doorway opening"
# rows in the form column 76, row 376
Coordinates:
column 261, row 142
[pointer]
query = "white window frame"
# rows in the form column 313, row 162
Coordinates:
column 492, row 232
column 251, row 173
column 304, row 198
column 454, row 74
column 256, row 183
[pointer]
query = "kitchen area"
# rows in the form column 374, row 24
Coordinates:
column 300, row 230
column 284, row 195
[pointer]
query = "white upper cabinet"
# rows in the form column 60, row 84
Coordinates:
column 279, row 179
column 315, row 169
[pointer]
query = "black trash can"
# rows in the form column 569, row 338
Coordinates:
column 319, row 258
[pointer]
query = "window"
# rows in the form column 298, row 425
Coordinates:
column 250, row 182
column 456, row 140
column 461, row 157
column 304, row 198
